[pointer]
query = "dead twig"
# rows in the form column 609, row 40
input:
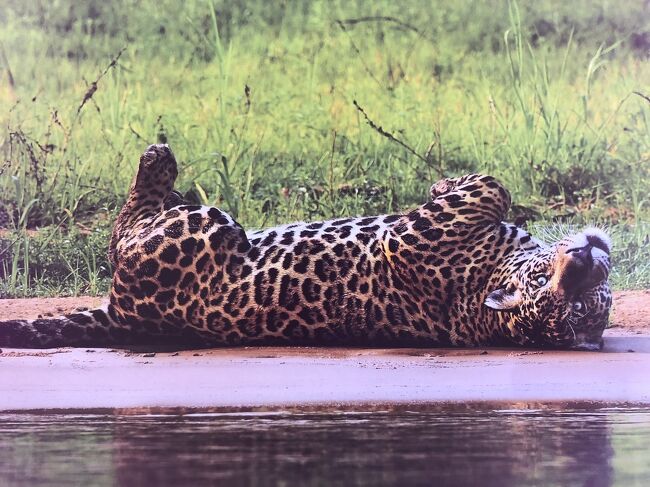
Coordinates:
column 5, row 61
column 379, row 129
column 383, row 18
column 135, row 133
column 66, row 133
column 92, row 88
column 4, row 166
column 358, row 52
column 247, row 94
column 20, row 139
column 331, row 174
column 645, row 97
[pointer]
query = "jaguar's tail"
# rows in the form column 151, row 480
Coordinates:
column 93, row 328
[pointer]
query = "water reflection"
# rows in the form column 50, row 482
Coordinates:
column 423, row 447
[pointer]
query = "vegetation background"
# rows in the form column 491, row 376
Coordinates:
column 267, row 108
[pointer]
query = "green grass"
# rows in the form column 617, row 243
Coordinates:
column 257, row 100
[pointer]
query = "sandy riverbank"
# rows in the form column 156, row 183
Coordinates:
column 95, row 378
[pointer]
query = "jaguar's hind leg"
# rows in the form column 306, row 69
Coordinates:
column 151, row 187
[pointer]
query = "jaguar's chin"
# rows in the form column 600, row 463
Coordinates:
column 588, row 346
column 588, row 342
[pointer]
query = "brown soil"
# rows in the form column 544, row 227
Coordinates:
column 631, row 310
column 30, row 308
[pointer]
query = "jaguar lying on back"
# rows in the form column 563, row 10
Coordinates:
column 450, row 272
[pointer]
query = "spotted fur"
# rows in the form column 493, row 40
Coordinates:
column 448, row 273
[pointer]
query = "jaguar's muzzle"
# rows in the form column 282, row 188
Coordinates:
column 583, row 262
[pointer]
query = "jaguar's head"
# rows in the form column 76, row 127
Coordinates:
column 559, row 295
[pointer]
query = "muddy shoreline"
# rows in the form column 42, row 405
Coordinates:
column 251, row 377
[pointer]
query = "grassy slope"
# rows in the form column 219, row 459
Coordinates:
column 540, row 95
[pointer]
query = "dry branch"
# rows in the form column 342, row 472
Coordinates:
column 358, row 52
column 382, row 18
column 5, row 61
column 379, row 129
column 645, row 97
column 92, row 88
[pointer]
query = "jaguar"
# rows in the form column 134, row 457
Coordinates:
column 451, row 272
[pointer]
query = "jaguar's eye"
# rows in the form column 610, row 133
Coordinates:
column 541, row 280
column 577, row 306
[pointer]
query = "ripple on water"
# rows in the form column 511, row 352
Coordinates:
column 410, row 445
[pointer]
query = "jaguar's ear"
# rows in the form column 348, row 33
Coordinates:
column 504, row 299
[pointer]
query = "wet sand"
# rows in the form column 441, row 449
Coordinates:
column 270, row 377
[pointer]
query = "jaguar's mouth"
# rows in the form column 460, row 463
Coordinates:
column 586, row 345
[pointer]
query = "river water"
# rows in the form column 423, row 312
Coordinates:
column 450, row 445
